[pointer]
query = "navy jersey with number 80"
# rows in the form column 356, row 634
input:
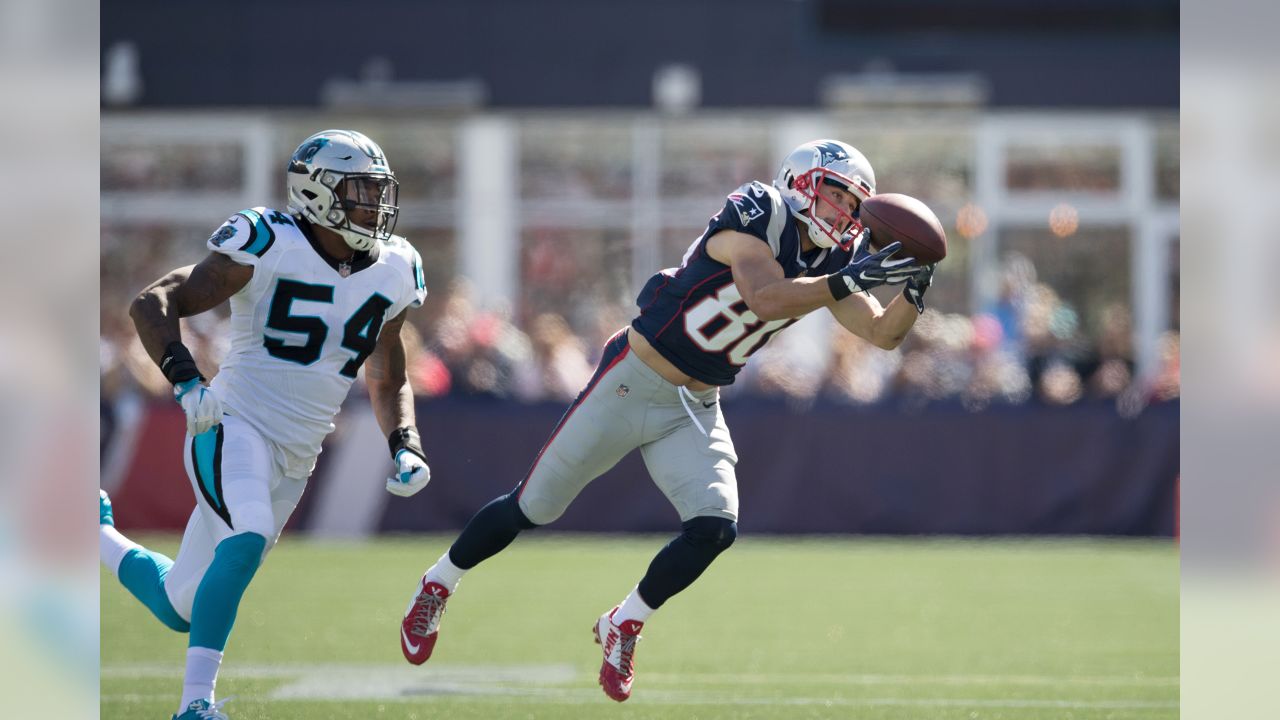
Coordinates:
column 694, row 315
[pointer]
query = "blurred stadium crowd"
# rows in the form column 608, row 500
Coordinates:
column 1060, row 331
column 1029, row 347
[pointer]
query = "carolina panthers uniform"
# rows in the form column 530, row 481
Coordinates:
column 696, row 318
column 300, row 330
column 694, row 315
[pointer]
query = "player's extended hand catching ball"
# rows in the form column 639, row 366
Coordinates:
column 917, row 284
column 871, row 271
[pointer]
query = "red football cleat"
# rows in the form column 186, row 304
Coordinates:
column 421, row 625
column 618, row 642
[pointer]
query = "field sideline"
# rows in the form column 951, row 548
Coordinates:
column 884, row 629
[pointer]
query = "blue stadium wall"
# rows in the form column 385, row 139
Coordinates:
column 1080, row 469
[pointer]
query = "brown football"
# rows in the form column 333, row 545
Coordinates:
column 902, row 218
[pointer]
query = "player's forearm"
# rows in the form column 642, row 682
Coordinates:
column 392, row 404
column 155, row 315
column 790, row 298
column 891, row 327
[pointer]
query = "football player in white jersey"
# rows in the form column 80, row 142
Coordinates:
column 316, row 292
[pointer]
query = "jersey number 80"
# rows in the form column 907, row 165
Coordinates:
column 716, row 326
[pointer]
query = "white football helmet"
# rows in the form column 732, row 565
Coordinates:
column 335, row 172
column 825, row 161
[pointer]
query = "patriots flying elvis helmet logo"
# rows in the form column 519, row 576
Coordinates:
column 831, row 152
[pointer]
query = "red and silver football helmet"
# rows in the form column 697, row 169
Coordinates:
column 811, row 165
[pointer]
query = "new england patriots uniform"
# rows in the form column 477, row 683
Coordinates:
column 694, row 315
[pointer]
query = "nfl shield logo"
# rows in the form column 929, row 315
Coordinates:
column 623, row 390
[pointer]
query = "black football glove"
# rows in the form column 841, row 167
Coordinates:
column 917, row 283
column 871, row 271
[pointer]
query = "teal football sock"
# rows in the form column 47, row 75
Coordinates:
column 235, row 561
column 142, row 572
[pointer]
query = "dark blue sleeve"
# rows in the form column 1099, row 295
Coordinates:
column 746, row 210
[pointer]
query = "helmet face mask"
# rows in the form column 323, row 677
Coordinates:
column 845, row 227
column 369, row 203
column 340, row 180
column 825, row 162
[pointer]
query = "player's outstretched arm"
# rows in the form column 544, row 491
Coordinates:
column 764, row 286
column 884, row 327
column 184, row 292
column 387, row 378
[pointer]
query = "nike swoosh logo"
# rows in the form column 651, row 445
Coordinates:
column 412, row 648
column 896, row 263
column 708, row 404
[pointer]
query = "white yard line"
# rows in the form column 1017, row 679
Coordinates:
column 547, row 684
column 877, row 679
column 583, row 697
column 566, row 673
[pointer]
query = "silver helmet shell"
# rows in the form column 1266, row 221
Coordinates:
column 335, row 172
column 810, row 165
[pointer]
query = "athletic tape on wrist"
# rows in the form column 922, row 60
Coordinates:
column 177, row 364
column 838, row 287
column 406, row 438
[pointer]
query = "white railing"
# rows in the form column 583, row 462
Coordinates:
column 487, row 209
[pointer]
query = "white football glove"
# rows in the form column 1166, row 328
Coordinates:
column 202, row 406
column 412, row 474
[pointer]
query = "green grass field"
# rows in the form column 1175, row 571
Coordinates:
column 822, row 628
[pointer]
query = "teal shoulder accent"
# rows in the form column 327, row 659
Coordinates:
column 261, row 236
column 419, row 280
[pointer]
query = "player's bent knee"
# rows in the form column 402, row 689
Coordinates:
column 254, row 519
column 715, row 534
column 241, row 553
column 533, row 513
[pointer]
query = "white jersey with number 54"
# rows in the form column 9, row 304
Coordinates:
column 303, row 326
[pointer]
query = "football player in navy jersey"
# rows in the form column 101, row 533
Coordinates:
column 771, row 255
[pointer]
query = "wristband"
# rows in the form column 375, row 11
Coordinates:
column 838, row 286
column 177, row 364
column 406, row 438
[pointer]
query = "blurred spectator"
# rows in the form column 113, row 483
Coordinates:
column 1111, row 369
column 860, row 372
column 1059, row 384
column 1017, row 275
column 559, row 367
column 428, row 375
column 998, row 375
column 1167, row 384
column 480, row 349
column 1029, row 344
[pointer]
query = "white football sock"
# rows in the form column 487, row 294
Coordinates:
column 632, row 608
column 446, row 573
column 112, row 547
column 202, row 675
